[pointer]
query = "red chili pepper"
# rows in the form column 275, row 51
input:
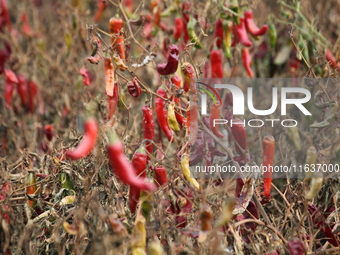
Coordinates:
column 87, row 143
column 48, row 130
column 162, row 114
column 113, row 102
column 160, row 176
column 138, row 161
column 31, row 180
column 295, row 247
column 87, row 77
column 22, row 89
column 109, row 76
column 218, row 37
column 4, row 16
column 10, row 81
column 268, row 148
column 216, row 64
column 250, row 25
column 33, row 91
column 330, row 58
column 100, row 10
column 215, row 114
column 148, row 127
column 129, row 5
column 156, row 11
column 178, row 28
column 171, row 66
column 189, row 77
column 247, row 61
column 176, row 80
column 240, row 34
column 117, row 40
column 239, row 133
column 123, row 168
column 134, row 88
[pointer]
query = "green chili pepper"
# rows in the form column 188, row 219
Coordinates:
column 192, row 34
column 228, row 30
column 272, row 35
column 66, row 183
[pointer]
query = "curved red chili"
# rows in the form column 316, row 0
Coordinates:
column 139, row 160
column 171, row 66
column 216, row 64
column 247, row 61
column 250, row 24
column 123, row 168
column 162, row 114
column 215, row 114
column 87, row 143
column 148, row 127
column 100, row 10
column 268, row 147
column 134, row 88
column 240, row 34
column 117, row 40
column 178, row 28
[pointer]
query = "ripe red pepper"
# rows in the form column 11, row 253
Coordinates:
column 113, row 102
column 87, row 143
column 178, row 28
column 48, row 130
column 138, row 161
column 239, row 133
column 134, row 88
column 10, row 81
column 4, row 16
column 100, row 10
column 123, row 168
column 148, row 127
column 250, row 24
column 189, row 77
column 216, row 64
column 162, row 114
column 22, row 89
column 117, row 40
column 247, row 61
column 215, row 114
column 87, row 77
column 171, row 66
column 218, row 37
column 33, row 91
column 330, row 58
column 109, row 76
column 31, row 180
column 240, row 34
column 268, row 147
column 156, row 11
column 160, row 176
column 176, row 80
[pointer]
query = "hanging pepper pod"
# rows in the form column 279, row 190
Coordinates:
column 138, row 161
column 148, row 127
column 186, row 171
column 23, row 90
column 240, row 34
column 218, row 36
column 178, row 28
column 189, row 77
column 100, row 10
column 177, row 80
column 215, row 114
column 48, row 131
column 206, row 218
column 268, row 150
column 31, row 189
column 32, row 91
column 294, row 136
column 162, row 114
column 10, row 81
column 172, row 121
column 134, row 88
column 171, row 66
column 117, row 39
column 109, row 76
column 247, row 61
column 87, row 77
column 272, row 35
column 227, row 37
column 113, row 102
column 139, row 236
column 250, row 24
column 119, row 62
column 192, row 34
column 216, row 64
column 160, row 176
column 88, row 142
column 330, row 58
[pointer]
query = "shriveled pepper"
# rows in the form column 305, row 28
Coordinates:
column 31, row 189
column 109, row 76
column 87, row 143
column 240, row 34
column 178, row 28
column 119, row 62
column 186, row 171
column 117, row 39
column 268, row 150
column 123, row 168
column 250, row 24
column 247, row 61
column 148, row 127
column 171, row 66
column 134, row 88
column 10, row 81
column 138, row 161
column 215, row 114
column 172, row 121
column 87, row 77
column 162, row 114
column 216, row 64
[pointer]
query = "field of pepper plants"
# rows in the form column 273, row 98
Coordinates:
column 101, row 126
